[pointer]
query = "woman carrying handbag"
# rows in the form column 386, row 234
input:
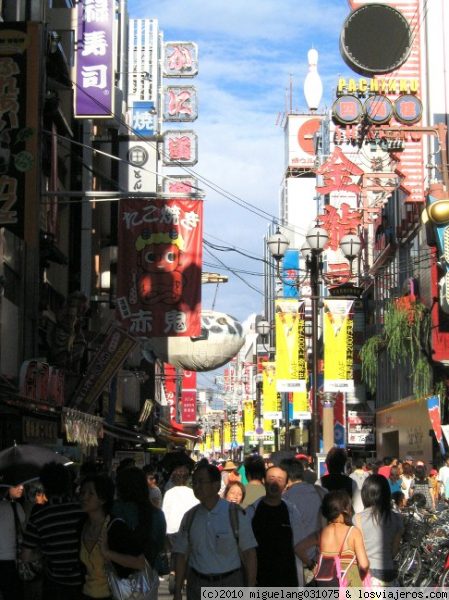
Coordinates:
column 134, row 538
column 342, row 560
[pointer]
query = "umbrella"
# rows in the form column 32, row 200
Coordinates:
column 177, row 458
column 22, row 463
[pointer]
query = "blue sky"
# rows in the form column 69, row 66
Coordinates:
column 247, row 51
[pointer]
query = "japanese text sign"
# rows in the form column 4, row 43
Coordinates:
column 159, row 267
column 94, row 97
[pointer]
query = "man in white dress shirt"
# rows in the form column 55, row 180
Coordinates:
column 208, row 543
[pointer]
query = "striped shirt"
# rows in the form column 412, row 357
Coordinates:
column 55, row 529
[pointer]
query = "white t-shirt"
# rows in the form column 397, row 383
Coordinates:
column 443, row 476
column 177, row 501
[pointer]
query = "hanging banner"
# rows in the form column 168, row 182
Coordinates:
column 208, row 443
column 290, row 272
column 301, row 406
column 291, row 367
column 217, row 440
column 159, row 267
column 227, row 438
column 94, row 59
column 270, row 395
column 248, row 417
column 338, row 345
column 188, row 397
column 240, row 433
column 433, row 407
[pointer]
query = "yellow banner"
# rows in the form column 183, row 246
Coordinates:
column 240, row 433
column 338, row 345
column 270, row 394
column 208, row 443
column 248, row 416
column 227, row 435
column 217, row 440
column 267, row 425
column 291, row 367
column 301, row 406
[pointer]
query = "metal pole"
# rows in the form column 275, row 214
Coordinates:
column 287, row 420
column 315, row 442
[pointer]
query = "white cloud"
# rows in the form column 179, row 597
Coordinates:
column 247, row 51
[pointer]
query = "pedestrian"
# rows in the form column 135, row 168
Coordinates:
column 394, row 480
column 336, row 479
column 255, row 472
column 385, row 468
column 55, row 529
column 234, row 492
column 12, row 520
column 97, row 497
column 382, row 530
column 277, row 526
column 435, row 486
column 443, row 477
column 358, row 475
column 408, row 474
column 307, row 498
column 338, row 539
column 211, row 549
column 154, row 493
column 136, row 532
column 229, row 467
column 422, row 485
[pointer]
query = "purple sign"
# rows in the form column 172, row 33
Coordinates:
column 94, row 59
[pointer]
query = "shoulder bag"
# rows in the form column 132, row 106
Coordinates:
column 328, row 572
column 141, row 585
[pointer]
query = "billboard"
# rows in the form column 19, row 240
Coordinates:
column 159, row 267
column 300, row 151
column 20, row 47
column 137, row 170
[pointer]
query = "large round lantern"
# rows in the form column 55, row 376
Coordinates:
column 220, row 340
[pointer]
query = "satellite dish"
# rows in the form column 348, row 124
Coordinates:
column 220, row 340
column 375, row 39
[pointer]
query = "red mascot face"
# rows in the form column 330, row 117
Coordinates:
column 157, row 258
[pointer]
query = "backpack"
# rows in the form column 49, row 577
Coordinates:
column 328, row 572
column 234, row 510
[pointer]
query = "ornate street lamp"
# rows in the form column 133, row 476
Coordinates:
column 312, row 249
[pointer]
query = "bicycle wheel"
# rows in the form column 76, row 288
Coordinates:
column 410, row 568
column 444, row 580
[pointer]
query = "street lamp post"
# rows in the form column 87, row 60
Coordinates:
column 316, row 240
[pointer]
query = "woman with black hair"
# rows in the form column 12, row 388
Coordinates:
column 136, row 533
column 97, row 496
column 422, row 485
column 382, row 530
column 338, row 539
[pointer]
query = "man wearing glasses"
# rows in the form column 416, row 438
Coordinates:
column 211, row 549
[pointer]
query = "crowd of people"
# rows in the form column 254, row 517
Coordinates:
column 265, row 523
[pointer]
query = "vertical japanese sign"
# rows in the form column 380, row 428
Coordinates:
column 217, row 440
column 270, row 394
column 94, row 59
column 291, row 368
column 180, row 59
column 180, row 103
column 171, row 391
column 143, row 117
column 290, row 270
column 138, row 168
column 20, row 67
column 102, row 368
column 240, row 433
column 188, row 397
column 248, row 416
column 338, row 345
column 159, row 267
column 208, row 443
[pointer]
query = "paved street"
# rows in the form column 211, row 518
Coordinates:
column 163, row 589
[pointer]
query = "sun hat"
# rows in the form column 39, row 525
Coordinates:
column 229, row 466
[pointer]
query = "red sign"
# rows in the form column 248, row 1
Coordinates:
column 159, row 267
column 188, row 397
column 338, row 172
